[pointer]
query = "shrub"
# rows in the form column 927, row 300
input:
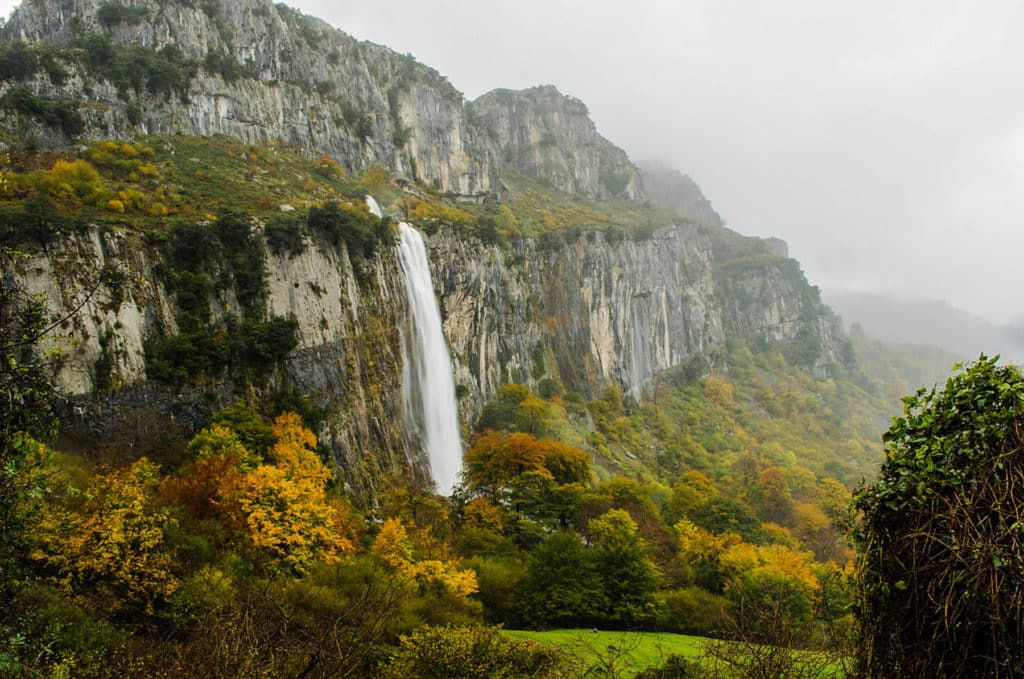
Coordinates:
column 18, row 62
column 62, row 115
column 111, row 14
column 361, row 232
column 284, row 236
column 469, row 653
column 940, row 554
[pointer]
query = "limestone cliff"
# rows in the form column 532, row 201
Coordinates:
column 252, row 70
column 348, row 359
column 589, row 311
column 585, row 311
column 546, row 135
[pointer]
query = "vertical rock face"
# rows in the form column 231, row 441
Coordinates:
column 585, row 311
column 591, row 311
column 546, row 135
column 265, row 72
column 348, row 359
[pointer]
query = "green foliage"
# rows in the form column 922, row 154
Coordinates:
column 725, row 515
column 18, row 61
column 26, row 411
column 112, row 14
column 225, row 65
column 252, row 431
column 469, row 653
column 58, row 114
column 693, row 610
column 135, row 68
column 615, row 181
column 561, row 584
column 940, row 553
column 284, row 236
column 621, row 557
column 360, row 231
column 237, row 345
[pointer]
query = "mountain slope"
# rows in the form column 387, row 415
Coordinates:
column 247, row 68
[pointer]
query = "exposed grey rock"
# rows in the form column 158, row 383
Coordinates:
column 596, row 311
column 546, row 135
column 298, row 81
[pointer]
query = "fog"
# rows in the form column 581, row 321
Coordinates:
column 884, row 141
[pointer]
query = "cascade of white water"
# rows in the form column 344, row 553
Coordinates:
column 427, row 382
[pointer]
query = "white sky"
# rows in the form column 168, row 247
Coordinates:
column 883, row 140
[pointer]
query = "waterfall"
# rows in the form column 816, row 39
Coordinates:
column 427, row 382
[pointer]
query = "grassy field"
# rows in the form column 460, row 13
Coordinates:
column 625, row 652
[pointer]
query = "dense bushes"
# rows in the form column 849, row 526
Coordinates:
column 354, row 226
column 940, row 549
column 58, row 114
column 203, row 259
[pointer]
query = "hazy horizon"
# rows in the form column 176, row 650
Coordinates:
column 884, row 143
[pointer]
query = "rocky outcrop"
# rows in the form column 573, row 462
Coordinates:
column 262, row 72
column 348, row 360
column 668, row 186
column 546, row 135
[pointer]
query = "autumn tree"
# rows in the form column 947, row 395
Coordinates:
column 111, row 539
column 395, row 547
column 538, row 480
column 285, row 504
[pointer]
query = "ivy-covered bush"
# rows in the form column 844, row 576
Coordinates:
column 940, row 540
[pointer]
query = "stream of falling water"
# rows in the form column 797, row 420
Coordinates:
column 427, row 383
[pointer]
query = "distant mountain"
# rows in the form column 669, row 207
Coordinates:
column 926, row 321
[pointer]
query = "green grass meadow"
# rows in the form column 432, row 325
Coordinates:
column 625, row 652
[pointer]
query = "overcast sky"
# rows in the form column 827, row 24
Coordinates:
column 883, row 140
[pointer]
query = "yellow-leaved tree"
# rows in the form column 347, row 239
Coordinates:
column 396, row 549
column 281, row 505
column 111, row 539
column 286, row 508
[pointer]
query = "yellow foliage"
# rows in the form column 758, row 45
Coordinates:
column 774, row 560
column 437, row 212
column 394, row 547
column 719, row 391
column 329, row 167
column 217, row 440
column 698, row 544
column 113, row 542
column 294, row 450
column 74, row 179
column 114, row 205
column 286, row 507
column 481, row 513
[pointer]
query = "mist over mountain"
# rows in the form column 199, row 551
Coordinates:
column 926, row 321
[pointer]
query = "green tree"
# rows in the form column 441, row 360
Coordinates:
column 562, row 584
column 629, row 579
column 26, row 407
column 940, row 554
